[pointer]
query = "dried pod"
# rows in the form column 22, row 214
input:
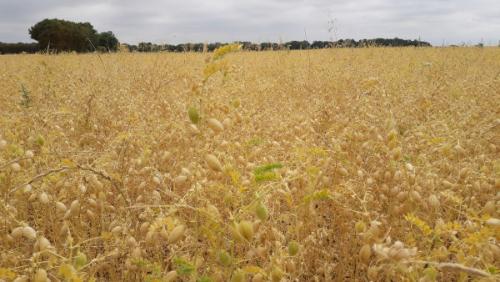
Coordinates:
column 493, row 222
column 61, row 207
column 33, row 197
column 92, row 202
column 43, row 244
column 434, row 201
column 496, row 251
column 213, row 162
column 258, row 278
column 226, row 122
column 236, row 233
column 150, row 237
column 43, row 198
column 90, row 214
column 15, row 167
column 17, row 232
column 365, row 253
column 29, row 233
column 245, row 228
column 74, row 207
column 342, row 171
column 67, row 214
column 22, row 278
column 131, row 242
column 64, row 229
column 176, row 234
column 415, row 196
column 82, row 188
column 3, row 144
column 27, row 188
column 490, row 207
column 40, row 276
column 180, row 179
column 156, row 180
column 163, row 233
column 170, row 276
column 117, row 230
column 193, row 129
column 144, row 227
column 215, row 125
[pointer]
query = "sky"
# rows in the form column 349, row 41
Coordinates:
column 167, row 21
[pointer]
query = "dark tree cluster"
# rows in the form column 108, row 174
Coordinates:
column 377, row 42
column 184, row 47
column 61, row 35
column 18, row 48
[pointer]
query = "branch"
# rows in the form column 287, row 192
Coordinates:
column 455, row 267
column 79, row 167
column 49, row 172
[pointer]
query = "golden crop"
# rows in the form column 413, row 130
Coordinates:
column 374, row 164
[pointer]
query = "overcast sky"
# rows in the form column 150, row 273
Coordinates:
column 168, row 21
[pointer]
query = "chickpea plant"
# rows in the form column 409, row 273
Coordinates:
column 369, row 164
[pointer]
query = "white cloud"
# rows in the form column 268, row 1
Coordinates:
column 453, row 21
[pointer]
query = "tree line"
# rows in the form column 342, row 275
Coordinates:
column 55, row 35
column 17, row 48
column 291, row 45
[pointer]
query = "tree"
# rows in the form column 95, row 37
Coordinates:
column 108, row 41
column 297, row 45
column 62, row 35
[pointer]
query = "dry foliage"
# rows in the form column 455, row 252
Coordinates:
column 333, row 165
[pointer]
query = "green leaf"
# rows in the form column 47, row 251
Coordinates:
column 25, row 97
column 318, row 196
column 261, row 211
column 265, row 172
column 266, row 176
column 80, row 260
column 204, row 279
column 493, row 270
column 224, row 258
column 183, row 266
column 267, row 168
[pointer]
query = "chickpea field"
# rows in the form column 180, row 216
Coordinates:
column 369, row 164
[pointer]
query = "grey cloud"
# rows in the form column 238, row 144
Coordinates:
column 260, row 20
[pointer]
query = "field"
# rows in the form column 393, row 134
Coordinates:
column 374, row 164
